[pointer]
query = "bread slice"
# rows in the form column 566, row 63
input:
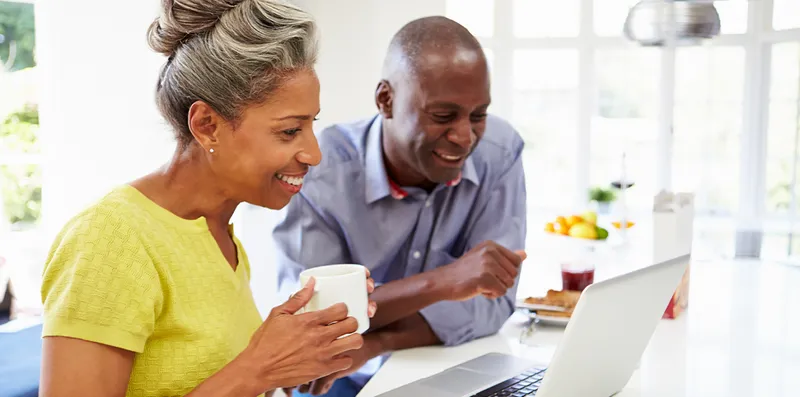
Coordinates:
column 564, row 299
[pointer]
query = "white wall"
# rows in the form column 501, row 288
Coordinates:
column 354, row 35
column 98, row 116
column 99, row 120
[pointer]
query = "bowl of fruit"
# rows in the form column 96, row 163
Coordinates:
column 577, row 226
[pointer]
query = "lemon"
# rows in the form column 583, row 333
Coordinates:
column 590, row 217
column 583, row 230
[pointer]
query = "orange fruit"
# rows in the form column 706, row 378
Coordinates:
column 572, row 220
column 562, row 225
column 550, row 227
column 618, row 224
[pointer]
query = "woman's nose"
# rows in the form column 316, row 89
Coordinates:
column 310, row 153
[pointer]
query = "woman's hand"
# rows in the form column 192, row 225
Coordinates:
column 289, row 349
column 373, row 307
column 372, row 348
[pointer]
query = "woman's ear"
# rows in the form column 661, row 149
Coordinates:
column 383, row 99
column 204, row 123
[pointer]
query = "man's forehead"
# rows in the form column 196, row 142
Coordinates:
column 437, row 57
column 446, row 77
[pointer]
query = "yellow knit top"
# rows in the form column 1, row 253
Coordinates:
column 128, row 273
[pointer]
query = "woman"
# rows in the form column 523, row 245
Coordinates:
column 146, row 292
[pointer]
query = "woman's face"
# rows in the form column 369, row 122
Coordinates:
column 263, row 158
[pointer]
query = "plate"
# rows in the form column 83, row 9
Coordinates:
column 547, row 320
column 538, row 306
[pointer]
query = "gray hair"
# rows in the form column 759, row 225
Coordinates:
column 227, row 53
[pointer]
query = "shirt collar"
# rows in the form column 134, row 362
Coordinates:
column 378, row 184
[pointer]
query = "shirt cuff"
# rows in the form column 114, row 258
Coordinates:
column 79, row 329
column 451, row 321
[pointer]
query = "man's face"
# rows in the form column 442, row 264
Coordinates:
column 439, row 114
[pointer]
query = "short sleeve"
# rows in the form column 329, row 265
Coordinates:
column 100, row 285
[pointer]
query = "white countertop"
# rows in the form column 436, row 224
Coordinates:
column 740, row 337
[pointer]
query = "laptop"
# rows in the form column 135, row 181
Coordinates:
column 601, row 348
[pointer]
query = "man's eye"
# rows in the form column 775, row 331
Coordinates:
column 443, row 117
column 478, row 117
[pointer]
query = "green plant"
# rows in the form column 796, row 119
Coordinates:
column 21, row 183
column 19, row 132
column 17, row 37
column 602, row 195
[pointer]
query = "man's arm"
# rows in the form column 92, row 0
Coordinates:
column 438, row 295
column 412, row 331
column 407, row 333
column 405, row 297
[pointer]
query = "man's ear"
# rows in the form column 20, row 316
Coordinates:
column 384, row 96
column 204, row 123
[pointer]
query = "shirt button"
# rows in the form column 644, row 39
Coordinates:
column 417, row 255
column 428, row 203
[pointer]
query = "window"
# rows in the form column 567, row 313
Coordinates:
column 560, row 57
column 475, row 15
column 610, row 15
column 545, row 109
column 546, row 18
column 784, row 127
column 786, row 14
column 625, row 119
column 20, row 170
column 707, row 125
column 733, row 15
column 20, row 156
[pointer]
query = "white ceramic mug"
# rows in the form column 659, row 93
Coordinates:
column 340, row 284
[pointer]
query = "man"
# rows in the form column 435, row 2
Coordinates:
column 429, row 195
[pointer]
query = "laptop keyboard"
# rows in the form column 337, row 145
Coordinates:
column 522, row 385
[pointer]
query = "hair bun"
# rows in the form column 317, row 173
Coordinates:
column 182, row 18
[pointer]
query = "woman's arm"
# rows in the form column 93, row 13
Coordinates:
column 75, row 367
column 287, row 350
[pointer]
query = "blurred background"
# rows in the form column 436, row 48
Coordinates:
column 719, row 117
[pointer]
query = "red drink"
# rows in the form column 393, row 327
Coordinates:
column 576, row 280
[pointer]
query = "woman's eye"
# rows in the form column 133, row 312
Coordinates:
column 292, row 132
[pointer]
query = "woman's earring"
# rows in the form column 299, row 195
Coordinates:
column 211, row 150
